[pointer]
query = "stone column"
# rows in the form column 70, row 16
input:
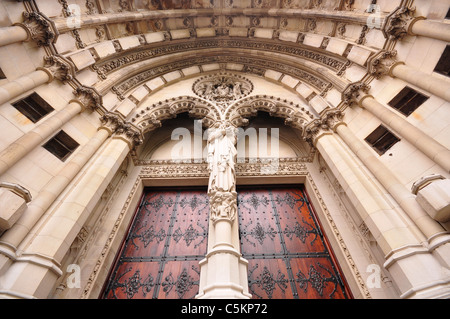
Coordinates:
column 13, row 34
column 431, row 29
column 402, row 22
column 223, row 273
column 37, row 268
column 55, row 67
column 384, row 63
column 437, row 86
column 426, row 144
column 397, row 236
column 51, row 191
column 86, row 98
column 22, row 85
column 400, row 193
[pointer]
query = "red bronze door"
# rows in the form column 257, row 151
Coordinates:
column 159, row 257
column 288, row 254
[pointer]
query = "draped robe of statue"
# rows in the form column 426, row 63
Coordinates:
column 222, row 155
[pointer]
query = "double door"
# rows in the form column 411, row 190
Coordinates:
column 289, row 256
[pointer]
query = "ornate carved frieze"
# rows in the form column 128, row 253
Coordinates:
column 171, row 169
column 39, row 28
column 222, row 88
column 103, row 68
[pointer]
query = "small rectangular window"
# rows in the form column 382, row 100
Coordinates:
column 61, row 145
column 407, row 101
column 33, row 107
column 381, row 139
column 443, row 65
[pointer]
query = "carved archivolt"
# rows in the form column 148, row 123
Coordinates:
column 294, row 115
column 150, row 118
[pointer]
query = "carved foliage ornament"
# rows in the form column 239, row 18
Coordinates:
column 39, row 27
column 398, row 22
column 59, row 67
column 222, row 88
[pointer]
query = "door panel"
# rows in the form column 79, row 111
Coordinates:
column 286, row 249
column 167, row 239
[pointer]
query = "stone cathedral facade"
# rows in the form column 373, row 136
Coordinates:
column 224, row 149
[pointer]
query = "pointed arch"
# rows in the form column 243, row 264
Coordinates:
column 293, row 114
column 150, row 118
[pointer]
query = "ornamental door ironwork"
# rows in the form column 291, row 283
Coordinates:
column 161, row 252
column 288, row 254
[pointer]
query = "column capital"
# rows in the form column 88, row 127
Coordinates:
column 39, row 28
column 382, row 63
column 329, row 120
column 399, row 22
column 116, row 124
column 352, row 92
column 315, row 130
column 223, row 205
column 110, row 122
column 88, row 97
column 58, row 67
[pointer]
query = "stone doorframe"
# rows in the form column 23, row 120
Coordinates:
column 290, row 171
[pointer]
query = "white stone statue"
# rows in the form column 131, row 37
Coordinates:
column 222, row 155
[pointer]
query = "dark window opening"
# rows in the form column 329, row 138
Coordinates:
column 33, row 107
column 61, row 145
column 407, row 101
column 381, row 139
column 443, row 65
column 447, row 16
column 2, row 75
